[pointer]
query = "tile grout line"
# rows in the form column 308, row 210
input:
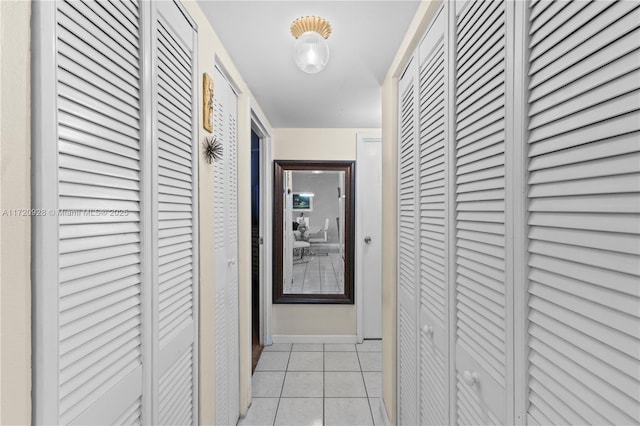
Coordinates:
column 366, row 391
column 324, row 351
column 323, row 384
column 282, row 387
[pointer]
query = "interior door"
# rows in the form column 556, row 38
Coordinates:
column 434, row 231
column 226, row 253
column 115, row 296
column 175, row 162
column 88, row 321
column 584, row 143
column 369, row 233
column 482, row 280
column 408, row 289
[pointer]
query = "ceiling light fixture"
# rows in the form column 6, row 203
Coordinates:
column 311, row 50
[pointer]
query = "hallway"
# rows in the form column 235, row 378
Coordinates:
column 506, row 287
column 317, row 384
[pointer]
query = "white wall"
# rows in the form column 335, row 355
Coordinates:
column 314, row 144
column 15, row 193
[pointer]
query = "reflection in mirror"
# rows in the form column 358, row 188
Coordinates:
column 314, row 209
column 313, row 215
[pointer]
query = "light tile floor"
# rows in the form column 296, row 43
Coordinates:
column 317, row 384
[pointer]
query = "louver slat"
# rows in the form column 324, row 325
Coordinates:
column 480, row 208
column 583, row 160
column 99, row 252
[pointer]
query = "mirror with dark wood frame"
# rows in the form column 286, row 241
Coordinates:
column 313, row 232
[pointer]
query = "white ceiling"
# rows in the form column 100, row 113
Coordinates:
column 365, row 38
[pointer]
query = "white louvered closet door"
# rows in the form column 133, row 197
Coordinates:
column 175, row 155
column 584, row 205
column 115, row 291
column 408, row 290
column 433, row 160
column 88, row 351
column 482, row 279
column 232, row 255
column 225, row 253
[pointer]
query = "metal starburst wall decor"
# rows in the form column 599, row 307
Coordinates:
column 212, row 149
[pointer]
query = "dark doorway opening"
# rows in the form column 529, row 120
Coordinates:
column 256, row 347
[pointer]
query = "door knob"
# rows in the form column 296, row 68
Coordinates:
column 367, row 240
column 470, row 377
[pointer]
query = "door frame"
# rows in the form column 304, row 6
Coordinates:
column 359, row 285
column 259, row 124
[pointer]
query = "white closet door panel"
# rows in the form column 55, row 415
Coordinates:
column 433, row 380
column 408, row 409
column 175, row 209
column 176, row 391
column 584, row 301
column 220, row 252
column 131, row 416
column 99, row 350
column 226, row 254
column 408, row 289
column 232, row 254
column 480, row 212
column 432, row 210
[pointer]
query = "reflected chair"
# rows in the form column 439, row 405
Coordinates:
column 299, row 245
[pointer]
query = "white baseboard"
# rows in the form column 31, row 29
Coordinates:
column 314, row 338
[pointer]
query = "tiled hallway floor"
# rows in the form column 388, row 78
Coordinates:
column 317, row 384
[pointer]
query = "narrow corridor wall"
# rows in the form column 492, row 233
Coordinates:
column 314, row 144
column 15, row 229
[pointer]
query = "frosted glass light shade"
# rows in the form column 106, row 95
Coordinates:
column 311, row 52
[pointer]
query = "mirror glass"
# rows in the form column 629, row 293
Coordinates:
column 314, row 232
